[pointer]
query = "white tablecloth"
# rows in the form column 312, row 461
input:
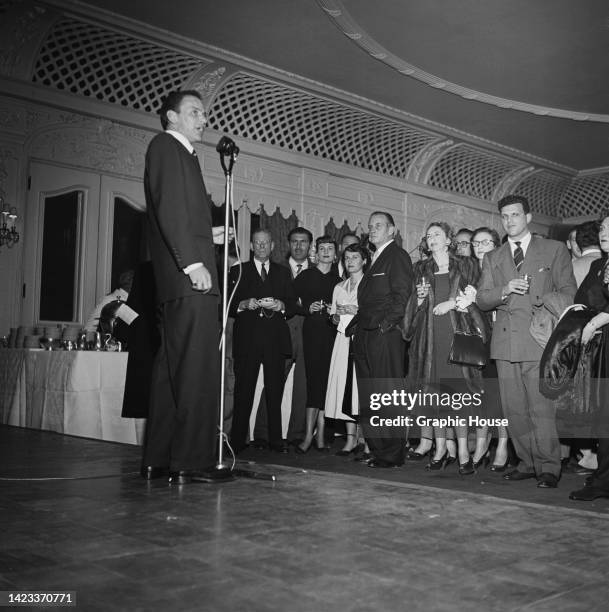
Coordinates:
column 74, row 392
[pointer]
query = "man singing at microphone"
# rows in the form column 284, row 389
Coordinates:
column 181, row 429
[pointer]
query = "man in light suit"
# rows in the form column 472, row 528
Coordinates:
column 181, row 428
column 503, row 288
column 378, row 347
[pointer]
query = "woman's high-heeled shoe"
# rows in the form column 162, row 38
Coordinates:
column 467, row 468
column 345, row 453
column 356, row 449
column 413, row 455
column 438, row 464
column 301, row 451
column 498, row 468
column 484, row 461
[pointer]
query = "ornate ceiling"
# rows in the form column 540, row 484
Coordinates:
column 529, row 75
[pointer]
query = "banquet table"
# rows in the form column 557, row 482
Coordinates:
column 79, row 393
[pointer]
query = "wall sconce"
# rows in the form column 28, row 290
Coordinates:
column 9, row 235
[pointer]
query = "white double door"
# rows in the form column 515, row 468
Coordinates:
column 91, row 198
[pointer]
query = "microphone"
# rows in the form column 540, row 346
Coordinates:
column 227, row 147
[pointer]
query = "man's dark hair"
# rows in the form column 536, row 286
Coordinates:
column 386, row 215
column 586, row 235
column 173, row 102
column 514, row 199
column 465, row 230
column 349, row 235
column 300, row 230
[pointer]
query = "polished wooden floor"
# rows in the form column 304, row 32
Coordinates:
column 328, row 534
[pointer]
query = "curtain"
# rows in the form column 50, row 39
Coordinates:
column 279, row 227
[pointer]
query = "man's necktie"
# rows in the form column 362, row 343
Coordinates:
column 298, row 269
column 518, row 256
column 263, row 272
column 194, row 153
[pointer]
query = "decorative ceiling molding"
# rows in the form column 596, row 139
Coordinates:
column 336, row 11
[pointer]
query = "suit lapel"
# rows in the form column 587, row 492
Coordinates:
column 533, row 259
column 378, row 263
column 505, row 262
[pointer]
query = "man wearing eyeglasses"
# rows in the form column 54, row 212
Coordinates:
column 263, row 299
column 516, row 277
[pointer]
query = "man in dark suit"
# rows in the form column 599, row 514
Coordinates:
column 181, row 429
column 378, row 345
column 299, row 241
column 262, row 300
column 515, row 278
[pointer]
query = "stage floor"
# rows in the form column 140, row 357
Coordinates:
column 328, row 534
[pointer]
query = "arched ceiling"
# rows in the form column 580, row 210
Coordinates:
column 546, row 53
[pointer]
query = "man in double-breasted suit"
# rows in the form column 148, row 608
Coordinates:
column 378, row 347
column 263, row 299
column 504, row 288
column 181, row 428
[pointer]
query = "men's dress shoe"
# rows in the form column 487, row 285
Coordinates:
column 517, row 475
column 547, row 481
column 363, row 458
column 588, row 493
column 151, row 472
column 381, row 463
column 282, row 448
column 181, row 476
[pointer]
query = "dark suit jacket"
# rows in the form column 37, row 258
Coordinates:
column 549, row 264
column 179, row 217
column 384, row 290
column 251, row 328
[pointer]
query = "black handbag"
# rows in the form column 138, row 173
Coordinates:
column 468, row 349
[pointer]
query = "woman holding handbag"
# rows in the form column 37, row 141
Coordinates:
column 484, row 240
column 430, row 323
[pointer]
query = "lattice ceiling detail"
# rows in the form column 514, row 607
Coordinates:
column 586, row 195
column 94, row 62
column 261, row 110
column 469, row 171
column 544, row 191
column 89, row 61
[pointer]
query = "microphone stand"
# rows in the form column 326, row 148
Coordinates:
column 228, row 149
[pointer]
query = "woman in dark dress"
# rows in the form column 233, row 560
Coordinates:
column 594, row 293
column 484, row 240
column 314, row 288
column 430, row 323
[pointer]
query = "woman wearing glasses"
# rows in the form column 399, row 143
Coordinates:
column 485, row 239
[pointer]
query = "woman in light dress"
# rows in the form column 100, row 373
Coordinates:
column 341, row 397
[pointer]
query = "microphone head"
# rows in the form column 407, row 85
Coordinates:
column 226, row 146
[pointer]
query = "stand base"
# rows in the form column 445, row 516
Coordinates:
column 222, row 473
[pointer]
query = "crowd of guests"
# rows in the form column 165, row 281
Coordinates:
column 346, row 316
